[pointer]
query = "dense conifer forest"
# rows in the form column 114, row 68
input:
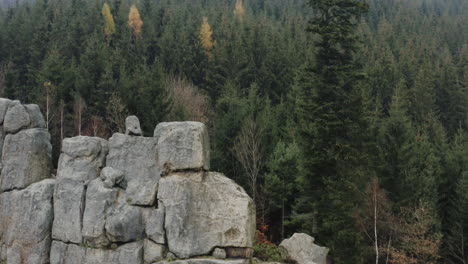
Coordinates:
column 343, row 119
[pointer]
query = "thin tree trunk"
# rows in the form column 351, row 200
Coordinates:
column 47, row 110
column 61, row 122
column 388, row 250
column 375, row 227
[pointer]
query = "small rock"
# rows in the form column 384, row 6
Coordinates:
column 301, row 248
column 132, row 126
column 111, row 177
column 219, row 253
column 171, row 256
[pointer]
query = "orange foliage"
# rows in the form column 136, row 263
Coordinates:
column 206, row 37
column 134, row 20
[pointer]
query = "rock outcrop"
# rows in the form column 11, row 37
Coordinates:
column 301, row 248
column 219, row 212
column 131, row 199
column 26, row 195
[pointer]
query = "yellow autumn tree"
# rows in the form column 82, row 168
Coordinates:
column 134, row 20
column 109, row 27
column 206, row 37
column 239, row 10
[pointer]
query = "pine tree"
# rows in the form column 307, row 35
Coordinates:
column 331, row 129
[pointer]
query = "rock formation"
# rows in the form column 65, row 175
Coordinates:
column 301, row 248
column 26, row 209
column 131, row 199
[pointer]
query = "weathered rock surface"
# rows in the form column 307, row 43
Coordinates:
column 301, row 248
column 239, row 252
column 99, row 200
column 109, row 203
column 16, row 119
column 27, row 217
column 219, row 253
column 111, row 177
column 4, row 105
column 132, row 126
column 26, row 159
column 136, row 158
column 182, row 146
column 153, row 252
column 61, row 253
column 69, row 198
column 35, row 116
column 154, row 222
column 124, row 223
column 217, row 210
column 82, row 158
column 206, row 261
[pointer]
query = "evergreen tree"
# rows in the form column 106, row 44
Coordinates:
column 331, row 127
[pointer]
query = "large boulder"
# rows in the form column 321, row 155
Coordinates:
column 82, row 158
column 136, row 158
column 4, row 105
column 26, row 221
column 35, row 116
column 26, row 158
column 16, row 118
column 125, row 223
column 182, row 146
column 205, row 210
column 301, row 248
column 69, row 198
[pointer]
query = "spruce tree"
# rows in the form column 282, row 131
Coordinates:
column 330, row 116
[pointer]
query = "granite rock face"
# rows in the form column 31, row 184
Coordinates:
column 69, row 205
column 301, row 248
column 61, row 253
column 99, row 201
column 82, row 158
column 136, row 158
column 26, row 224
column 182, row 146
column 218, row 212
column 26, row 158
column 109, row 204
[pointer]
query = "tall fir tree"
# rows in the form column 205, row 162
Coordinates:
column 330, row 116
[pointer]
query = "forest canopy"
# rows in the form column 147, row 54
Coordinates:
column 341, row 126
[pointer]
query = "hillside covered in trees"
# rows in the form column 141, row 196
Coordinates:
column 350, row 126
